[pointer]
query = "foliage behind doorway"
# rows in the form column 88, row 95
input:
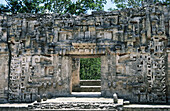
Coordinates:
column 90, row 68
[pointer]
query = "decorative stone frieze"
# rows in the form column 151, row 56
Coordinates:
column 39, row 53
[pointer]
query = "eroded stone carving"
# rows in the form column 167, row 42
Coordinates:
column 39, row 53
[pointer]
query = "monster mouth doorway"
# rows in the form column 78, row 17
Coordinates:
column 86, row 76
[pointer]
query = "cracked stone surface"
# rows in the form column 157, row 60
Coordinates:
column 39, row 54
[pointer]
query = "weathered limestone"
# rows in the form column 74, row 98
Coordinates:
column 40, row 54
column 75, row 72
column 168, row 74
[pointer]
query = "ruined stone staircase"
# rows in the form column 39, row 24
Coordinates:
column 88, row 86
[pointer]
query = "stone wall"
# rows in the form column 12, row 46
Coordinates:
column 4, row 60
column 37, row 52
column 75, row 72
column 168, row 75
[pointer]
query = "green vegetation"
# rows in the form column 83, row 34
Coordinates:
column 67, row 6
column 56, row 6
column 90, row 68
column 121, row 4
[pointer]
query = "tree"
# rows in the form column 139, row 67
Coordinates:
column 90, row 68
column 22, row 6
column 3, row 8
column 127, row 3
column 120, row 4
column 57, row 6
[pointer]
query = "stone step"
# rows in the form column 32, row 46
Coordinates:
column 90, row 82
column 87, row 89
column 77, row 103
column 86, row 94
column 97, row 106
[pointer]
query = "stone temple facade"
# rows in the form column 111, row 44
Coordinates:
column 39, row 53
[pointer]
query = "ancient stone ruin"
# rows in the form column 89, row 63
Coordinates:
column 39, row 53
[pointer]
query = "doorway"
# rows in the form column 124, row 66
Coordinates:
column 86, row 76
column 90, row 68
